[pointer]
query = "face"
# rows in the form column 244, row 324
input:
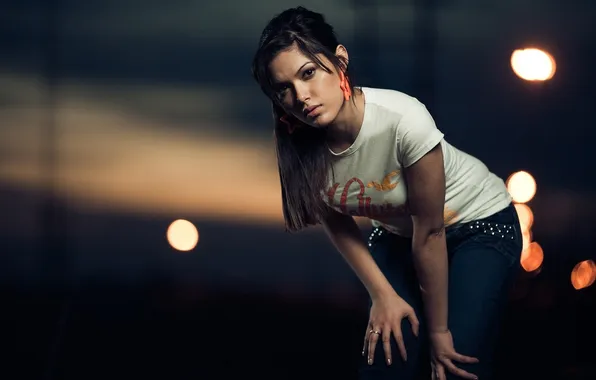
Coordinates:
column 306, row 90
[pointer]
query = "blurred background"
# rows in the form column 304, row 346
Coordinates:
column 140, row 206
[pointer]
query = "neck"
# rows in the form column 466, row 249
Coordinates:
column 347, row 124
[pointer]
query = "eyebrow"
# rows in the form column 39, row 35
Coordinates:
column 297, row 71
column 275, row 83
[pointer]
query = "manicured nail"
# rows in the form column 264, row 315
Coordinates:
column 369, row 361
column 388, row 361
column 362, row 352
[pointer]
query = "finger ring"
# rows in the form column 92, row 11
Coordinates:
column 374, row 332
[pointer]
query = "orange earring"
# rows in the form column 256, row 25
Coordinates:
column 345, row 86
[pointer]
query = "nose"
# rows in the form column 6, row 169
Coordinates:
column 302, row 92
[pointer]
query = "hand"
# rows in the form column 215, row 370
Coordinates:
column 385, row 318
column 443, row 354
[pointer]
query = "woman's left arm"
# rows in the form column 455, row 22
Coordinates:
column 424, row 172
column 426, row 199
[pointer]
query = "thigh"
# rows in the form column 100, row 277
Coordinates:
column 482, row 268
column 393, row 256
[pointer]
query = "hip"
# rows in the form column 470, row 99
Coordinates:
column 500, row 230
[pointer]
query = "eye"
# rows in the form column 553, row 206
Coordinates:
column 280, row 91
column 308, row 73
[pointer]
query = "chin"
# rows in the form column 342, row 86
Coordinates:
column 322, row 121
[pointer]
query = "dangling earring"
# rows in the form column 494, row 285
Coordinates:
column 345, row 86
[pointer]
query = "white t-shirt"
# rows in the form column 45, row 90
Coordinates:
column 367, row 180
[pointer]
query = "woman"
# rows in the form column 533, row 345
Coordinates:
column 446, row 241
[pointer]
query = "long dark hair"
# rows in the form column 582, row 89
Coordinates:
column 302, row 156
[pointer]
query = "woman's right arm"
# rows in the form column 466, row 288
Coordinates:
column 388, row 308
column 347, row 238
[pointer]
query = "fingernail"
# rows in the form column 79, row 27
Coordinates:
column 369, row 361
column 362, row 352
column 388, row 361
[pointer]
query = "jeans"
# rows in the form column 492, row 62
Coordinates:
column 484, row 258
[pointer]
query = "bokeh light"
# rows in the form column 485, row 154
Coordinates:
column 521, row 186
column 526, row 216
column 532, row 257
column 583, row 274
column 182, row 235
column 533, row 64
column 526, row 238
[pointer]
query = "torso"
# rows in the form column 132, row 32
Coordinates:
column 367, row 177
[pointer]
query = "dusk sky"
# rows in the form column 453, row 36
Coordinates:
column 156, row 115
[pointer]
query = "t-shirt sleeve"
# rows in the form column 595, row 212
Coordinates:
column 417, row 134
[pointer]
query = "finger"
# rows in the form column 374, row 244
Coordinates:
column 463, row 358
column 440, row 372
column 386, row 336
column 400, row 342
column 372, row 344
column 414, row 322
column 366, row 333
column 457, row 371
column 433, row 374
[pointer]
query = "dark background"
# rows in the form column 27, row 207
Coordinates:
column 118, row 117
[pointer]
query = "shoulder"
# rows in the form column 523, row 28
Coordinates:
column 393, row 101
column 415, row 130
column 404, row 112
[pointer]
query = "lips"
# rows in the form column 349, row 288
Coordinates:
column 309, row 110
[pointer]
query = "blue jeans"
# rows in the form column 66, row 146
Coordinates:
column 484, row 258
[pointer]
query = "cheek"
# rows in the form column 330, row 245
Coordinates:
column 331, row 85
column 339, row 94
column 287, row 103
column 333, row 94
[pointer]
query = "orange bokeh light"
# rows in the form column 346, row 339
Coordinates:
column 532, row 257
column 583, row 274
column 526, row 238
column 526, row 216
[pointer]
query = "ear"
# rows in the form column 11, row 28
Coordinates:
column 342, row 53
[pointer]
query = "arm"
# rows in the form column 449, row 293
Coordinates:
column 347, row 238
column 426, row 198
column 421, row 155
column 388, row 307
